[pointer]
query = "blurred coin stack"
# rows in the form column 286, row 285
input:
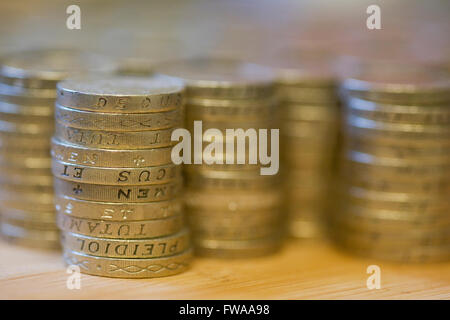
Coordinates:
column 27, row 96
column 396, row 164
column 309, row 115
column 117, row 192
column 233, row 210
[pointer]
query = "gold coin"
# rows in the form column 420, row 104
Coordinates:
column 305, row 228
column 21, row 160
column 43, row 68
column 386, row 131
column 29, row 224
column 120, row 229
column 221, row 231
column 115, row 193
column 229, row 180
column 112, row 211
column 26, row 177
column 39, row 239
column 397, row 201
column 118, row 176
column 133, row 248
column 398, row 151
column 229, row 110
column 27, row 111
column 28, row 214
column 221, row 78
column 114, row 139
column 129, row 268
column 235, row 200
column 95, row 157
column 117, row 121
column 237, row 248
column 314, row 113
column 404, row 84
column 434, row 115
column 308, row 95
column 121, row 94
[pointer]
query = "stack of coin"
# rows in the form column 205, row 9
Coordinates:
column 233, row 210
column 396, row 164
column 117, row 192
column 309, row 136
column 27, row 96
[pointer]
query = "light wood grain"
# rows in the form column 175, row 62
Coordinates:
column 303, row 270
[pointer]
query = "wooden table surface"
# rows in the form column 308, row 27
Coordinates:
column 303, row 270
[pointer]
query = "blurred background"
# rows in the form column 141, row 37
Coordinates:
column 248, row 29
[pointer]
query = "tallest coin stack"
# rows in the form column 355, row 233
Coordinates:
column 116, row 188
column 233, row 210
column 27, row 97
column 396, row 164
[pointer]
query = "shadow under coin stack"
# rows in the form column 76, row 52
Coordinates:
column 396, row 165
column 117, row 192
column 27, row 98
column 233, row 210
column 309, row 136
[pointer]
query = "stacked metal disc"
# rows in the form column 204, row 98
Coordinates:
column 309, row 136
column 27, row 95
column 117, row 192
column 233, row 210
column 396, row 164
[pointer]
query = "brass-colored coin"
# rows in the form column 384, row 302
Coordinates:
column 398, row 151
column 305, row 95
column 117, row 121
column 121, row 94
column 27, row 142
column 297, row 128
column 316, row 113
column 221, row 78
column 129, row 268
column 404, row 84
column 378, row 165
column 28, row 214
column 112, row 211
column 114, row 139
column 121, row 229
column 26, row 110
column 27, row 191
column 95, row 157
column 118, row 176
column 229, row 179
column 39, row 130
column 390, row 184
column 18, row 160
column 435, row 115
column 29, row 224
column 20, row 202
column 216, row 201
column 39, row 239
column 385, row 131
column 133, row 248
column 237, row 248
column 221, row 231
column 230, row 110
column 397, row 201
column 305, row 228
column 30, row 93
column 43, row 68
column 26, row 177
column 116, row 193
